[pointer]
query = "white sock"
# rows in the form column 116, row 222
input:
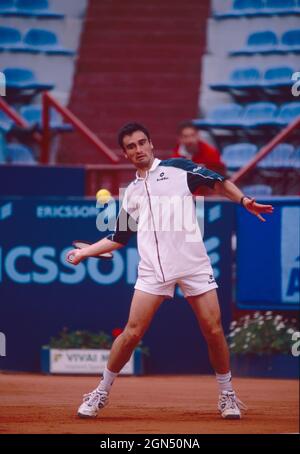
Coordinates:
column 107, row 380
column 224, row 381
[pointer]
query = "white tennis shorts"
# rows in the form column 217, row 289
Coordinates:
column 190, row 285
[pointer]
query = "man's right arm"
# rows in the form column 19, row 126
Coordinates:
column 100, row 247
column 125, row 228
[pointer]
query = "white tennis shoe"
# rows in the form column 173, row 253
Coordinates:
column 92, row 403
column 230, row 406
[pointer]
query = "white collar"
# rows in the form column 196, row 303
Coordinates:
column 155, row 163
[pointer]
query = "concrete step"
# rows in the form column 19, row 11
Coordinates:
column 92, row 50
column 137, row 67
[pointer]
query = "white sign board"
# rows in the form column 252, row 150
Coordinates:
column 73, row 361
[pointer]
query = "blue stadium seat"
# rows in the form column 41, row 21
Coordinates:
column 238, row 155
column 243, row 8
column 241, row 78
column 5, row 122
column 260, row 114
column 288, row 113
column 247, row 8
column 278, row 76
column 36, row 8
column 33, row 115
column 264, row 42
column 257, row 8
column 40, row 40
column 281, row 3
column 279, row 157
column 6, row 7
column 244, row 76
column 290, row 41
column 278, row 82
column 282, row 7
column 256, row 115
column 21, row 78
column 9, row 38
column 225, row 115
column 19, row 154
column 257, row 190
column 248, row 4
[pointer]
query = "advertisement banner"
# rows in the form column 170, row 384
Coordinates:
column 75, row 361
column 268, row 258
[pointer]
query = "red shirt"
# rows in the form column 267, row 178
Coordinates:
column 206, row 155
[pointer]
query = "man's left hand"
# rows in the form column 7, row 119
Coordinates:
column 257, row 208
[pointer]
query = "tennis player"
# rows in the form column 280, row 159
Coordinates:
column 167, row 258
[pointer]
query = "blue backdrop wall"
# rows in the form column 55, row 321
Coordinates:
column 268, row 258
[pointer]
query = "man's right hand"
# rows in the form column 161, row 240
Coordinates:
column 75, row 256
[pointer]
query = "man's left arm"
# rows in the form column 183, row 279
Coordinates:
column 232, row 192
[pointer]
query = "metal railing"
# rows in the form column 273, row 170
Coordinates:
column 18, row 119
column 266, row 149
column 48, row 103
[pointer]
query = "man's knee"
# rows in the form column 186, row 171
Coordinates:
column 213, row 329
column 132, row 333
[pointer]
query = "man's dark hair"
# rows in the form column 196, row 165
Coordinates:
column 186, row 124
column 129, row 129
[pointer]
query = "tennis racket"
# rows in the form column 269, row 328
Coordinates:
column 80, row 244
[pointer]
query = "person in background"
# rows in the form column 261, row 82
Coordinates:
column 190, row 146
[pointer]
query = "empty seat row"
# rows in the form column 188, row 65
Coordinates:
column 34, row 41
column 33, row 116
column 251, row 78
column 24, row 79
column 253, row 115
column 267, row 42
column 284, row 155
column 28, row 8
column 260, row 8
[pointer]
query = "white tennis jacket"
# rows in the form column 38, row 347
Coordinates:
column 160, row 208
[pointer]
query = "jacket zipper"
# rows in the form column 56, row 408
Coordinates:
column 155, row 236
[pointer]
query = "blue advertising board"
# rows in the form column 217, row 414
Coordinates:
column 268, row 258
column 33, row 180
column 40, row 293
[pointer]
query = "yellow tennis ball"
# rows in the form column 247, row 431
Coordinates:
column 103, row 196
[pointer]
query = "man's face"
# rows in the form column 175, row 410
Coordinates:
column 139, row 149
column 189, row 138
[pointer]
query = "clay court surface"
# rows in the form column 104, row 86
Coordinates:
column 158, row 405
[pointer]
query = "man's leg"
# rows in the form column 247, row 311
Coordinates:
column 207, row 310
column 143, row 307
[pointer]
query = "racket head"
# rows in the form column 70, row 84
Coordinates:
column 81, row 244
